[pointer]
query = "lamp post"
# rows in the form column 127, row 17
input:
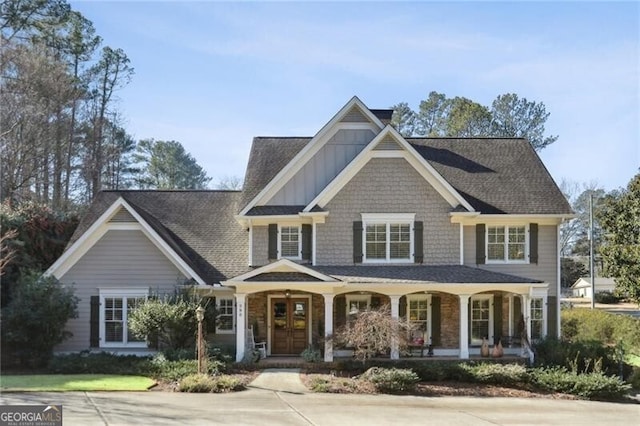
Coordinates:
column 200, row 318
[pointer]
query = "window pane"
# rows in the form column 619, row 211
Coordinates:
column 400, row 237
column 225, row 314
column 495, row 243
column 480, row 319
column 289, row 241
column 376, row 241
column 113, row 332
column 517, row 238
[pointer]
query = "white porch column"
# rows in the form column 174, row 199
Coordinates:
column 464, row 326
column 526, row 313
column 395, row 314
column 510, row 297
column 241, row 325
column 328, row 327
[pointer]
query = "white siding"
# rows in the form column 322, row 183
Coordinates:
column 322, row 168
column 120, row 259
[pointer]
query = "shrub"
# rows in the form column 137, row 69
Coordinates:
column 497, row 374
column 578, row 357
column 204, row 383
column 591, row 385
column 163, row 369
column 311, row 355
column 606, row 297
column 99, row 363
column 391, row 380
column 170, row 322
column 34, row 320
column 587, row 325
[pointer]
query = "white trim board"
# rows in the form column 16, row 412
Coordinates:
column 282, row 265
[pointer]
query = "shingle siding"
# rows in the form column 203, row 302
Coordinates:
column 387, row 185
column 120, row 259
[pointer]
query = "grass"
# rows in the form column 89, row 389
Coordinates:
column 74, row 382
column 633, row 360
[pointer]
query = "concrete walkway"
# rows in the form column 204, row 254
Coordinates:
column 280, row 380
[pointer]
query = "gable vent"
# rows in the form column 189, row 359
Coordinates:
column 354, row 116
column 122, row 215
column 388, row 144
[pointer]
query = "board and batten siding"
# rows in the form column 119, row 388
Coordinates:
column 325, row 165
column 387, row 185
column 120, row 259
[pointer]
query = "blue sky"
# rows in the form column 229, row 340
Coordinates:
column 213, row 75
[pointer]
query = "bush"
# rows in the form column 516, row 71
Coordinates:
column 497, row 374
column 203, row 383
column 391, row 380
column 590, row 386
column 580, row 325
column 311, row 355
column 577, row 357
column 606, row 297
column 99, row 363
column 33, row 322
column 163, row 369
column 170, row 322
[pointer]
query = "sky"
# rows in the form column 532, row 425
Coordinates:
column 212, row 75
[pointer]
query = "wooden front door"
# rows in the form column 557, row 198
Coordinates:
column 290, row 325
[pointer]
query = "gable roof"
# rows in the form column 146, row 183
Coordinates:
column 198, row 225
column 494, row 175
column 353, row 113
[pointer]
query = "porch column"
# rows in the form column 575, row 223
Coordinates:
column 241, row 325
column 328, row 327
column 526, row 313
column 395, row 314
column 464, row 326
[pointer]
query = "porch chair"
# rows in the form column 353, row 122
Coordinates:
column 252, row 344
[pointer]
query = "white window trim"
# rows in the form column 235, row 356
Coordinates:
column 506, row 244
column 233, row 315
column 119, row 293
column 291, row 225
column 490, row 337
column 426, row 297
column 388, row 219
column 357, row 298
column 545, row 308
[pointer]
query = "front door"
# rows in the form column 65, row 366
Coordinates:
column 290, row 325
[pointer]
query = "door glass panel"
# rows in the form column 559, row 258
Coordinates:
column 280, row 315
column 299, row 315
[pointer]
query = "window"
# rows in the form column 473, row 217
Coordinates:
column 290, row 242
column 115, row 307
column 418, row 316
column 481, row 319
column 224, row 325
column 507, row 243
column 388, row 238
column 357, row 304
column 537, row 319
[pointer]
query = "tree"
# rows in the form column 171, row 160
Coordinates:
column 509, row 116
column 570, row 271
column 403, row 119
column 515, row 117
column 166, row 165
column 33, row 323
column 372, row 332
column 620, row 221
column 230, row 182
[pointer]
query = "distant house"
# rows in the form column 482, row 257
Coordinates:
column 457, row 235
column 582, row 287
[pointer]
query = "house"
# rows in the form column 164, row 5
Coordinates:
column 457, row 235
column 582, row 287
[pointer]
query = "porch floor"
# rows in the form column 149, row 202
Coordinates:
column 296, row 361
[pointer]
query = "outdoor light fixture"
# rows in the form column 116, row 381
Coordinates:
column 287, row 293
column 200, row 313
column 200, row 318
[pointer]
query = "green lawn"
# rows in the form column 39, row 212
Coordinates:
column 73, row 382
column 633, row 360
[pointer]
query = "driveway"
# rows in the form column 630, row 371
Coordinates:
column 267, row 407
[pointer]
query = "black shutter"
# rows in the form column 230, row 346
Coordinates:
column 94, row 322
column 552, row 316
column 435, row 320
column 340, row 306
column 357, row 242
column 533, row 243
column 497, row 318
column 306, row 242
column 480, row 243
column 418, row 257
column 273, row 241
